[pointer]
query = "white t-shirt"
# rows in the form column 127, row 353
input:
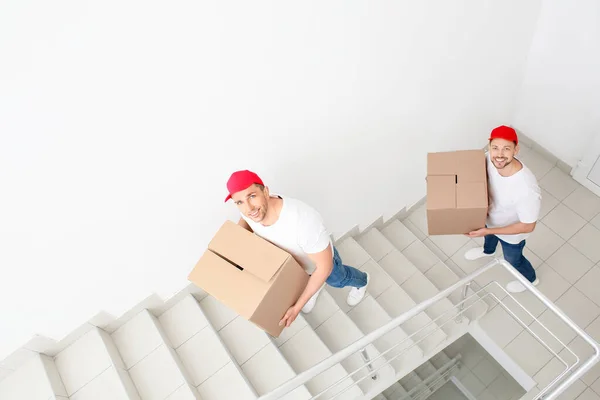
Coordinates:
column 513, row 199
column 299, row 231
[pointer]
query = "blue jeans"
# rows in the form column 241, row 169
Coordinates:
column 344, row 275
column 513, row 253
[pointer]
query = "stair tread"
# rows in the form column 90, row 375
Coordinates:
column 369, row 316
column 37, row 378
column 112, row 383
column 397, row 266
column 338, row 332
column 375, row 244
column 398, row 234
column 420, row 255
column 425, row 370
column 294, row 350
column 440, row 359
column 268, row 369
column 225, row 384
column 396, row 302
column 82, row 362
column 155, row 368
column 441, row 276
column 352, row 253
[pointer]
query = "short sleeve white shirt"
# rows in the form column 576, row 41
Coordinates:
column 513, row 199
column 299, row 230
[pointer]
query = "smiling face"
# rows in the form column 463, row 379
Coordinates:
column 502, row 152
column 253, row 202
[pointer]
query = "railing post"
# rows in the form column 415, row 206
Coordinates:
column 461, row 307
column 367, row 360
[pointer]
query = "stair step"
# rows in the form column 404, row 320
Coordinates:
column 375, row 243
column 399, row 235
column 304, row 350
column 398, row 267
column 368, row 316
column 441, row 276
column 147, row 353
column 426, row 370
column 396, row 302
column 418, row 219
column 449, row 244
column 411, row 381
column 254, row 339
column 352, row 253
column 340, row 331
column 92, row 366
column 440, row 359
column 224, row 385
column 420, row 256
column 389, row 392
column 252, row 354
column 268, row 369
column 37, row 379
column 200, row 348
column 398, row 393
column 420, row 289
column 379, row 280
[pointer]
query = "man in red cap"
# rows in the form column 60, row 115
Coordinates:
column 299, row 229
column 515, row 202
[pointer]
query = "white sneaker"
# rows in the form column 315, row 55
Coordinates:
column 310, row 304
column 357, row 294
column 518, row 287
column 476, row 253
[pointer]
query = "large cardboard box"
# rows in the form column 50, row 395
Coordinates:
column 457, row 193
column 250, row 275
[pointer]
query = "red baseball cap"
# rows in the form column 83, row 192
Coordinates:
column 241, row 180
column 506, row 133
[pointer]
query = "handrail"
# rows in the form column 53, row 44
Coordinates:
column 366, row 340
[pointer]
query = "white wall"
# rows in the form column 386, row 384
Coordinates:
column 559, row 104
column 121, row 122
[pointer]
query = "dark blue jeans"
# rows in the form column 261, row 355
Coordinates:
column 344, row 275
column 513, row 253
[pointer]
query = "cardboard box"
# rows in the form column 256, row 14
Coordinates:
column 457, row 193
column 251, row 276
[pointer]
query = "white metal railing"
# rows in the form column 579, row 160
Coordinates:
column 549, row 392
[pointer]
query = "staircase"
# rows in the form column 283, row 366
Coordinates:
column 193, row 347
column 200, row 349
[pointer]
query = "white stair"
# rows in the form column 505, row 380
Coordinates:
column 296, row 350
column 37, row 379
column 411, row 381
column 92, row 368
column 200, row 349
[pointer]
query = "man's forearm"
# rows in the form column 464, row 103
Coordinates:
column 513, row 229
column 316, row 280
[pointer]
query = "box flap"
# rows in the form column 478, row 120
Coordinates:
column 441, row 192
column 240, row 291
column 443, row 163
column 471, row 166
column 248, row 251
column 471, row 195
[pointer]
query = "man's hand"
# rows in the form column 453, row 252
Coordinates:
column 478, row 233
column 290, row 316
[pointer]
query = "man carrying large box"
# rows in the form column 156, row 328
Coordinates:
column 514, row 206
column 298, row 229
